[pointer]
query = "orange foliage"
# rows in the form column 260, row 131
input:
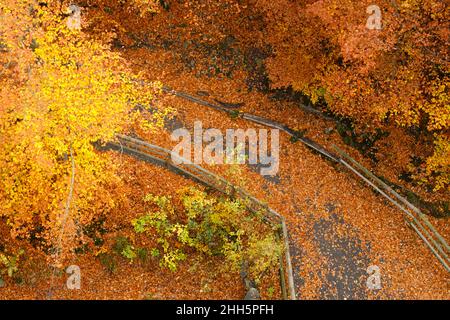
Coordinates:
column 397, row 74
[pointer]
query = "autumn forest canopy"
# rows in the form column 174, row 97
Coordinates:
column 370, row 77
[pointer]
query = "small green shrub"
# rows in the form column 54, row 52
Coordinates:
column 270, row 292
column 142, row 254
column 10, row 262
column 121, row 243
column 108, row 261
column 129, row 252
column 211, row 226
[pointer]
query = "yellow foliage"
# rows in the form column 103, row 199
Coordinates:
column 438, row 107
column 77, row 92
column 438, row 165
column 146, row 6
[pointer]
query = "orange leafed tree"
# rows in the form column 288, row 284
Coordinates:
column 398, row 74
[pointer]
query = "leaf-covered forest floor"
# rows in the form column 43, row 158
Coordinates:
column 338, row 226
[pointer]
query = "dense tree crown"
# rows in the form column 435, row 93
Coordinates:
column 61, row 91
column 396, row 74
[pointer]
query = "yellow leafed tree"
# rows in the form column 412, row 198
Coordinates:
column 74, row 92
